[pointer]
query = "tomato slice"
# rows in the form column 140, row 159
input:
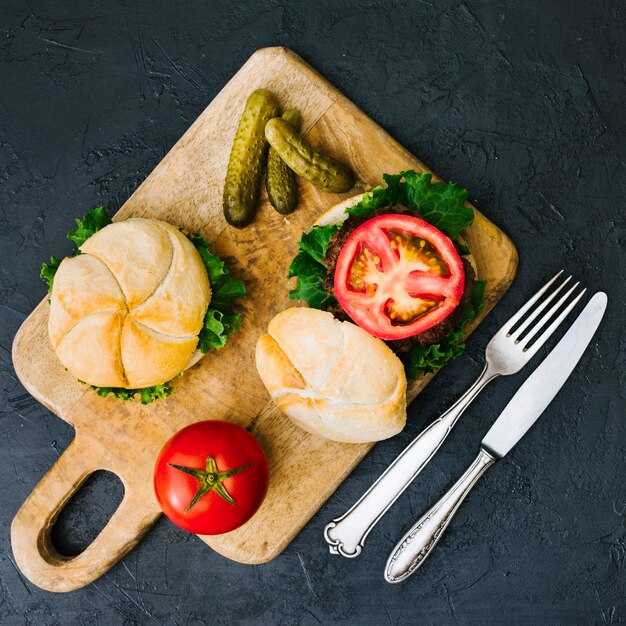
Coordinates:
column 397, row 276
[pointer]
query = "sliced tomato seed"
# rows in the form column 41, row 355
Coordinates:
column 414, row 249
column 402, row 315
column 363, row 269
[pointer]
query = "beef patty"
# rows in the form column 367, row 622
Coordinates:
column 428, row 337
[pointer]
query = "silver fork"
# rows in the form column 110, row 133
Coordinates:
column 507, row 352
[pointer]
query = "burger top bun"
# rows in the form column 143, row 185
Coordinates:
column 332, row 378
column 127, row 311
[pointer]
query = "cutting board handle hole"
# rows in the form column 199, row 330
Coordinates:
column 86, row 513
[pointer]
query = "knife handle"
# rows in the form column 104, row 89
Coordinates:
column 346, row 534
column 413, row 549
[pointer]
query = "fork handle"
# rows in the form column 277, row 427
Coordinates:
column 346, row 534
column 413, row 549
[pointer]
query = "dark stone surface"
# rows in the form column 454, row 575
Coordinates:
column 521, row 102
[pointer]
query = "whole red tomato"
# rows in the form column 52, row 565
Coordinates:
column 211, row 477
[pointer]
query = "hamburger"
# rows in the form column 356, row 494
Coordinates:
column 132, row 308
column 394, row 262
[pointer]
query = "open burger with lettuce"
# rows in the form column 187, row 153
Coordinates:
column 393, row 262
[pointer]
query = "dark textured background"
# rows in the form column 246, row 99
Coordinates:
column 521, row 102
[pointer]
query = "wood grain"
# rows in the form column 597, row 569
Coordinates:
column 186, row 189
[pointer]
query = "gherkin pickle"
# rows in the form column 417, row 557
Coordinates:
column 280, row 180
column 247, row 159
column 321, row 170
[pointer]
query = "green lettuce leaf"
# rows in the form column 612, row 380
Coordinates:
column 393, row 193
column 221, row 320
column 310, row 269
column 461, row 248
column 440, row 204
column 48, row 271
column 315, row 242
column 146, row 394
column 91, row 223
column 476, row 303
column 310, row 283
column 425, row 359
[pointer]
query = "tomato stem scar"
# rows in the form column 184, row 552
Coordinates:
column 211, row 479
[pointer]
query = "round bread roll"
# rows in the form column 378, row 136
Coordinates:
column 127, row 311
column 332, row 378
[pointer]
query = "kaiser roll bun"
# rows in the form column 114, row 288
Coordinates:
column 127, row 311
column 332, row 378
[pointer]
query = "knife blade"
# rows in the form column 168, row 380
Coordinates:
column 540, row 388
column 523, row 410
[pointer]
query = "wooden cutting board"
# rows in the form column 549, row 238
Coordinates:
column 186, row 190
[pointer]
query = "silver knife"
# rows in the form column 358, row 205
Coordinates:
column 519, row 415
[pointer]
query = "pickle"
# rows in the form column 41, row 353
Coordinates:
column 247, row 159
column 321, row 170
column 280, row 180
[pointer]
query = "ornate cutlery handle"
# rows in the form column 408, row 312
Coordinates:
column 346, row 534
column 413, row 549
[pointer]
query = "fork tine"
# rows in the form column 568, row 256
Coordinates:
column 530, row 352
column 531, row 318
column 553, row 309
column 508, row 325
